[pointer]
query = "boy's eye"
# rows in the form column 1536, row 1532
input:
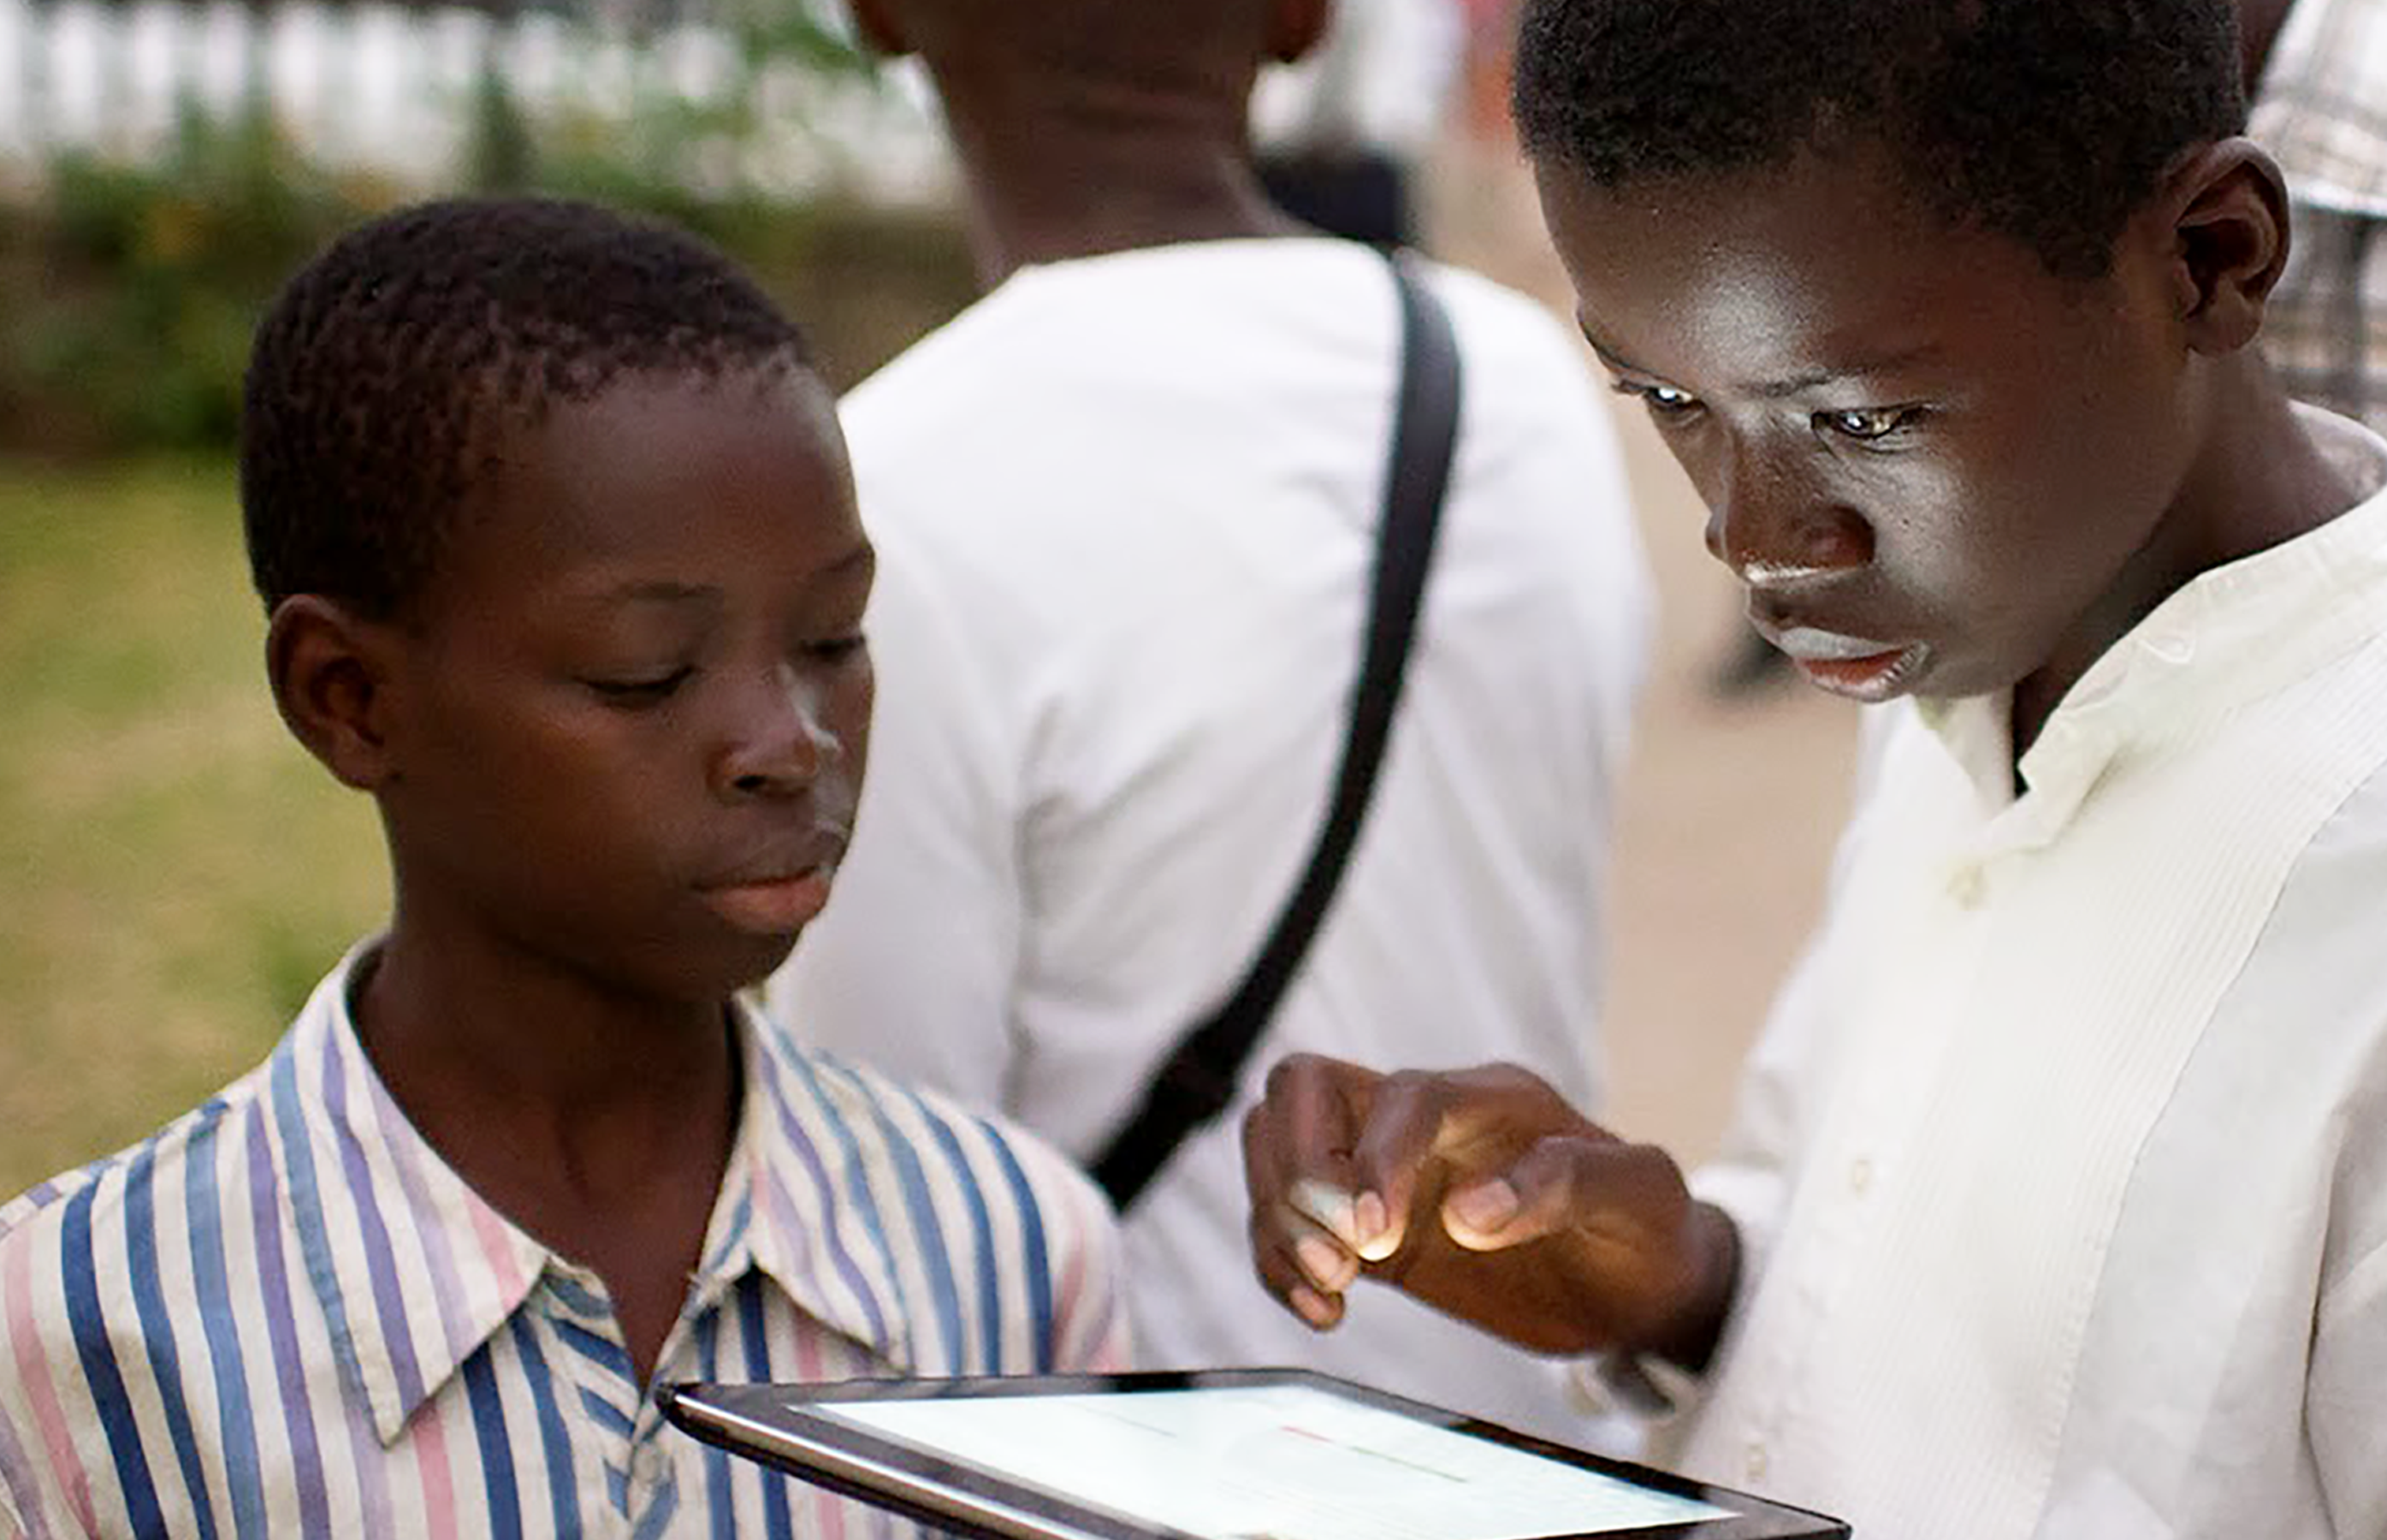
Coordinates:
column 1665, row 400
column 836, row 649
column 640, row 691
column 1866, row 424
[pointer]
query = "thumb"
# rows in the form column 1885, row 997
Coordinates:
column 1566, row 1181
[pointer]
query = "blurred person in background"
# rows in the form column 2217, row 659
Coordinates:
column 1489, row 55
column 1126, row 507
column 2318, row 72
column 1344, row 130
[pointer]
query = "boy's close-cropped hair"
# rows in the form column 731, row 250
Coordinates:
column 392, row 368
column 2047, row 120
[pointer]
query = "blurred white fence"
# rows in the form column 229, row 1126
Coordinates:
column 391, row 90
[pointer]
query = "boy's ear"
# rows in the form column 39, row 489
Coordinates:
column 875, row 20
column 329, row 671
column 1296, row 27
column 2230, row 233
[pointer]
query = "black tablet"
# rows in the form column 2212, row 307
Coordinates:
column 1256, row 1454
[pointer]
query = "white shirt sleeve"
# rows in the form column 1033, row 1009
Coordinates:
column 2345, row 1401
column 2345, row 1386
column 912, row 966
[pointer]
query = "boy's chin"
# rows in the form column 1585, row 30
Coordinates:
column 763, row 960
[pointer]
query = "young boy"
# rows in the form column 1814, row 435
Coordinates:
column 2056, row 1205
column 552, row 519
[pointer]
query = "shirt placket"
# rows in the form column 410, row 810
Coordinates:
column 609, row 1413
column 1858, row 1157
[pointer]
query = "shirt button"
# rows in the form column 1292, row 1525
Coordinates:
column 1860, row 1175
column 647, row 1463
column 1967, row 886
column 1756, row 1462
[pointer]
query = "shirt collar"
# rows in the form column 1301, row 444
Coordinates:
column 2231, row 635
column 414, row 1271
column 797, row 1203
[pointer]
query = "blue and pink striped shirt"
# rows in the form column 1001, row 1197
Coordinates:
column 285, row 1315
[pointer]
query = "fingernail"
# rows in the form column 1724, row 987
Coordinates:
column 1329, row 1206
column 1368, row 1218
column 1372, row 1226
column 1319, row 1258
column 1485, row 1206
column 1312, row 1307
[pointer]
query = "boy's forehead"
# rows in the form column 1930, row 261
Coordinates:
column 588, row 481
column 1822, row 264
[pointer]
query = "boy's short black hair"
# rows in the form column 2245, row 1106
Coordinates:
column 390, row 367
column 2048, row 121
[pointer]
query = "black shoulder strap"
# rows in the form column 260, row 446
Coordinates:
column 1197, row 1081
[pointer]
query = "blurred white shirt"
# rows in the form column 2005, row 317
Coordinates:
column 1126, row 510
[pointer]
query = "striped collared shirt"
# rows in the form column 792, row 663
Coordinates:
column 2322, row 110
column 286, row 1315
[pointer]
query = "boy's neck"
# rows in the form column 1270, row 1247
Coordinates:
column 2258, row 481
column 503, row 1063
column 598, row 1125
column 1069, row 174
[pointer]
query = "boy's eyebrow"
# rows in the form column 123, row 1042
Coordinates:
column 659, row 591
column 1807, row 380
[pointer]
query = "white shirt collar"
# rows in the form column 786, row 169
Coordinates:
column 2231, row 635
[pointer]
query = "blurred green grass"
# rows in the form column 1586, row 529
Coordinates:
column 175, row 873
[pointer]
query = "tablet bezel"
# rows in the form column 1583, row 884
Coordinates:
column 772, row 1423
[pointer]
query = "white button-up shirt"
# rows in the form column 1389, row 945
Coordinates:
column 2062, row 1169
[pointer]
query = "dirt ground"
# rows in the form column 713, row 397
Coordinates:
column 1730, row 807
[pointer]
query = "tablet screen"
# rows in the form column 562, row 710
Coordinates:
column 1235, row 1454
column 1283, row 1461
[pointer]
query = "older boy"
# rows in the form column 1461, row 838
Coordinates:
column 2057, row 1202
column 1127, row 505
column 552, row 520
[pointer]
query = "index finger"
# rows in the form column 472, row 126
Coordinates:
column 1297, row 1141
column 1403, row 1130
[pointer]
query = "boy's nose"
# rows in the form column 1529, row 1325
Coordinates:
column 781, row 743
column 1767, row 521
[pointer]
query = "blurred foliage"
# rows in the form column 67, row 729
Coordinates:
column 129, row 290
column 178, row 871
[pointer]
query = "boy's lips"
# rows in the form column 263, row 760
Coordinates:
column 773, row 906
column 1859, row 667
column 777, row 894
